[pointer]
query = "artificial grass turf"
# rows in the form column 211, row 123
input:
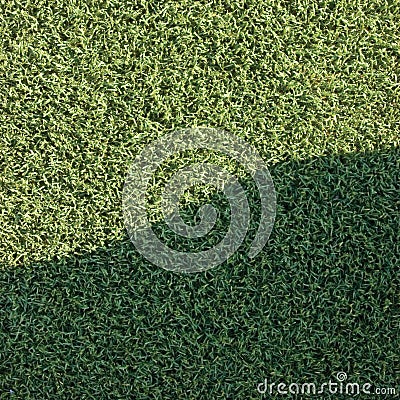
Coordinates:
column 85, row 86
column 322, row 297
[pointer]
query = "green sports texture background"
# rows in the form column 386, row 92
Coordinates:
column 84, row 86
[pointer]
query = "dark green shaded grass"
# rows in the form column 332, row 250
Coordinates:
column 322, row 297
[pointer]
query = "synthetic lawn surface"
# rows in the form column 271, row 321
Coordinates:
column 313, row 86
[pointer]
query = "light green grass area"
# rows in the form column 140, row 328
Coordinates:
column 84, row 86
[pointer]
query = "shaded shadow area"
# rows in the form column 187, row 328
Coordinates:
column 323, row 296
